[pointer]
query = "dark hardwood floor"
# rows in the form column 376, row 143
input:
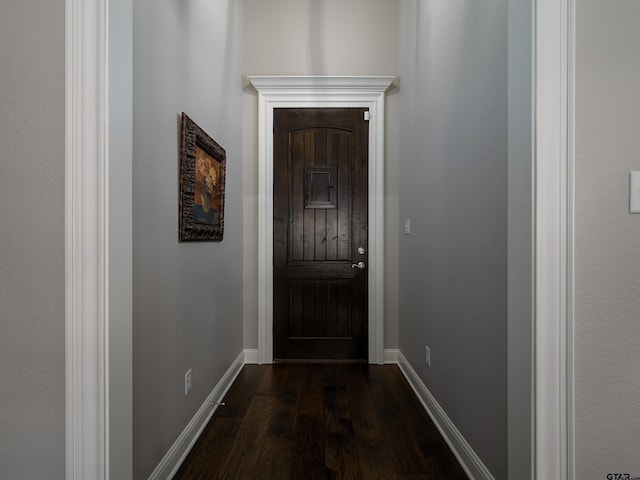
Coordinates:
column 321, row 421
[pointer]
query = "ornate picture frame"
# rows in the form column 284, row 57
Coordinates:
column 203, row 165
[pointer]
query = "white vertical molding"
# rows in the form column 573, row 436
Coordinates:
column 554, row 240
column 86, row 241
column 265, row 229
column 318, row 92
column 376, row 232
column 570, row 198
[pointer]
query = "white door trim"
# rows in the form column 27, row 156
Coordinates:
column 554, row 180
column 319, row 92
column 86, row 241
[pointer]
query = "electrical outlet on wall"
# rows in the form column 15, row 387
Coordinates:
column 188, row 382
column 427, row 356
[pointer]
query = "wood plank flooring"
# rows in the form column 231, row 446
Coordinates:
column 321, row 421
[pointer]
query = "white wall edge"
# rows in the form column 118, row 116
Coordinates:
column 173, row 459
column 467, row 457
column 391, row 356
column 554, row 178
column 323, row 91
column 250, row 356
column 86, row 240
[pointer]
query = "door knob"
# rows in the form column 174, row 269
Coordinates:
column 359, row 265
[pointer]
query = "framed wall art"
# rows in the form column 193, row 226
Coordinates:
column 203, row 166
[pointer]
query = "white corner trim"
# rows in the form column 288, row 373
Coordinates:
column 317, row 92
column 86, row 241
column 391, row 356
column 569, row 369
column 554, row 178
column 468, row 459
column 173, row 459
column 250, row 356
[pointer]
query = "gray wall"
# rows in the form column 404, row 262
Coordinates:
column 607, row 239
column 187, row 298
column 32, row 356
column 453, row 187
column 329, row 37
column 520, row 239
column 120, row 239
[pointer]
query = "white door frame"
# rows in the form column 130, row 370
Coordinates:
column 87, row 233
column 86, row 241
column 320, row 92
column 554, row 176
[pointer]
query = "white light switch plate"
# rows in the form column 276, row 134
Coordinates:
column 407, row 226
column 634, row 192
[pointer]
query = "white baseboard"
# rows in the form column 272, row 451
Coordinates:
column 250, row 356
column 468, row 459
column 391, row 355
column 171, row 462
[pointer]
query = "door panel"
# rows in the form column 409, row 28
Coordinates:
column 320, row 221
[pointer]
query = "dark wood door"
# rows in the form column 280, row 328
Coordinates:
column 320, row 233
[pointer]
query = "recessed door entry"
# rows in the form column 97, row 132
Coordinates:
column 320, row 233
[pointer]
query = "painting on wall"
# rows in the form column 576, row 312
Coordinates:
column 202, row 181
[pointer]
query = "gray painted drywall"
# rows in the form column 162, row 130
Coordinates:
column 320, row 37
column 32, row 271
column 120, row 240
column 520, row 241
column 453, row 187
column 607, row 241
column 187, row 297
